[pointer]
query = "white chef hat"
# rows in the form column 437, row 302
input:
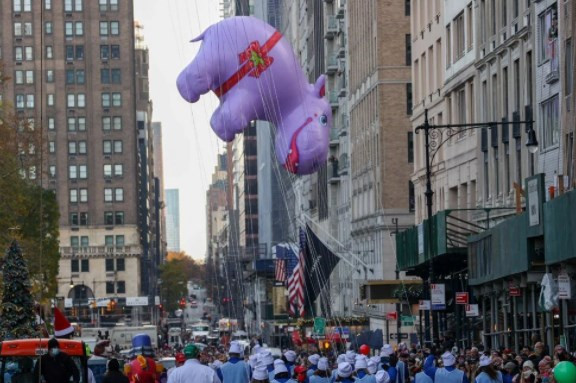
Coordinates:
column 372, row 366
column 485, row 360
column 266, row 357
column 386, row 350
column 323, row 364
column 235, row 348
column 382, row 377
column 350, row 357
column 279, row 367
column 345, row 369
column 360, row 362
column 448, row 359
column 290, row 356
column 313, row 359
column 260, row 372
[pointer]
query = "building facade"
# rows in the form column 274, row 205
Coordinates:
column 172, row 219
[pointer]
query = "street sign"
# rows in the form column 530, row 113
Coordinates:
column 136, row 301
column 403, row 335
column 319, row 326
column 68, row 303
column 392, row 315
column 100, row 302
column 564, row 288
column 156, row 300
column 462, row 298
column 438, row 296
column 407, row 320
column 472, row 310
column 424, row 305
column 514, row 291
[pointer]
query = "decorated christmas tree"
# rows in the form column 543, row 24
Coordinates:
column 17, row 320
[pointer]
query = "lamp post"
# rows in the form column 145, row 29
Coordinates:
column 453, row 129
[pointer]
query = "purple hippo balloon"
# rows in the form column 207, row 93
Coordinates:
column 252, row 69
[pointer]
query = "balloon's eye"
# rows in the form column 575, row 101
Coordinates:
column 323, row 119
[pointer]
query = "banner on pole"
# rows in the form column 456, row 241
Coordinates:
column 424, row 305
column 564, row 288
column 472, row 310
column 438, row 296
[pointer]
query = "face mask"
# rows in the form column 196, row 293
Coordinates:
column 55, row 351
column 526, row 374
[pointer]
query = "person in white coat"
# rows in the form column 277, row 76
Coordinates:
column 281, row 373
column 382, row 377
column 235, row 370
column 322, row 374
column 192, row 371
column 362, row 373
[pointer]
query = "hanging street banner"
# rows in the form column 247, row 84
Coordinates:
column 462, row 298
column 319, row 326
column 472, row 310
column 424, row 305
column 564, row 288
column 438, row 296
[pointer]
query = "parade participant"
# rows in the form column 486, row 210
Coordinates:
column 361, row 368
column 281, row 373
column 345, row 371
column 402, row 365
column 180, row 359
column 486, row 371
column 509, row 372
column 260, row 374
column 192, row 371
column 385, row 353
column 382, row 377
column 373, row 365
column 322, row 374
column 56, row 366
column 430, row 362
column 350, row 357
column 289, row 358
column 341, row 358
column 265, row 357
column 113, row 374
column 312, row 364
column 235, row 370
column 420, row 376
column 449, row 373
column 142, row 365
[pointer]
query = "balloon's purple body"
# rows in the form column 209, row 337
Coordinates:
column 252, row 69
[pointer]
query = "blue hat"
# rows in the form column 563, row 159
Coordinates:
column 142, row 345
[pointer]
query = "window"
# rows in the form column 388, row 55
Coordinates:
column 78, row 5
column 105, row 76
column 85, row 265
column 469, row 27
column 80, row 76
column 107, row 146
column 72, row 147
column 492, row 17
column 83, row 195
column 109, row 218
column 109, row 287
column 550, row 124
column 74, row 219
column 120, row 263
column 70, row 100
column 506, row 101
column 50, row 76
column 81, row 123
column 20, row 101
column 109, row 264
column 29, row 76
column 114, row 28
column 104, row 52
column 118, row 147
column 117, row 123
column 107, row 171
column 118, row 170
column 73, row 195
column 83, row 171
column 18, row 53
column 82, row 147
column 459, row 37
column 105, row 100
column 50, row 99
column 19, row 77
column 411, row 197
column 548, row 33
column 52, row 146
column 48, row 27
column 109, row 240
column 51, row 123
column 68, row 29
column 81, row 100
column 486, row 176
column 116, row 99
column 84, row 241
column 119, row 194
column 103, row 28
column 115, row 51
column 409, row 99
column 515, row 8
column 49, row 52
column 504, row 13
column 72, row 172
column 116, row 76
column 408, row 48
column 79, row 52
column 68, row 6
column 47, row 5
column 406, row 7
column 448, row 46
column 506, row 168
column 121, row 287
column 119, row 218
column 569, row 65
column 52, row 171
column 106, row 123
column 73, row 5
column 496, row 155
column 71, row 124
column 83, row 219
column 69, row 52
column 113, row 5
column 70, row 77
column 30, row 101
column 108, row 195
column 28, row 53
column 74, row 265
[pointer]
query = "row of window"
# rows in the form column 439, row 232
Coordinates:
column 74, row 124
column 110, row 170
column 110, row 218
column 73, row 100
column 110, row 195
column 69, row 5
column 71, row 28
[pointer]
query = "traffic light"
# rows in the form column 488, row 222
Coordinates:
column 325, row 345
column 182, row 302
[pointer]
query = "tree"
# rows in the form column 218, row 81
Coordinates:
column 25, row 204
column 18, row 316
column 175, row 274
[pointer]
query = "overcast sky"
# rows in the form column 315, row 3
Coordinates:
column 190, row 147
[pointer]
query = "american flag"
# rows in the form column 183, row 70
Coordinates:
column 296, row 281
column 281, row 270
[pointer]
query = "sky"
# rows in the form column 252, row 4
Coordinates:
column 189, row 145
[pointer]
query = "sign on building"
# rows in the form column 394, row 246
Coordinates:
column 462, row 298
column 438, row 296
column 533, row 202
column 472, row 310
column 136, row 301
column 423, row 305
column 564, row 288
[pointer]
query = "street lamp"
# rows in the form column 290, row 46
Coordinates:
column 453, row 129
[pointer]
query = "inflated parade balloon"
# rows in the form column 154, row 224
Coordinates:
column 252, row 69
column 565, row 372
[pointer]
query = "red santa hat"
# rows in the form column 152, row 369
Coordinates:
column 62, row 327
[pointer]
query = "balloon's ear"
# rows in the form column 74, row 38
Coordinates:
column 320, row 86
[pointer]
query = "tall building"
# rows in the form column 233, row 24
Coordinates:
column 380, row 107
column 72, row 70
column 159, row 197
column 172, row 219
